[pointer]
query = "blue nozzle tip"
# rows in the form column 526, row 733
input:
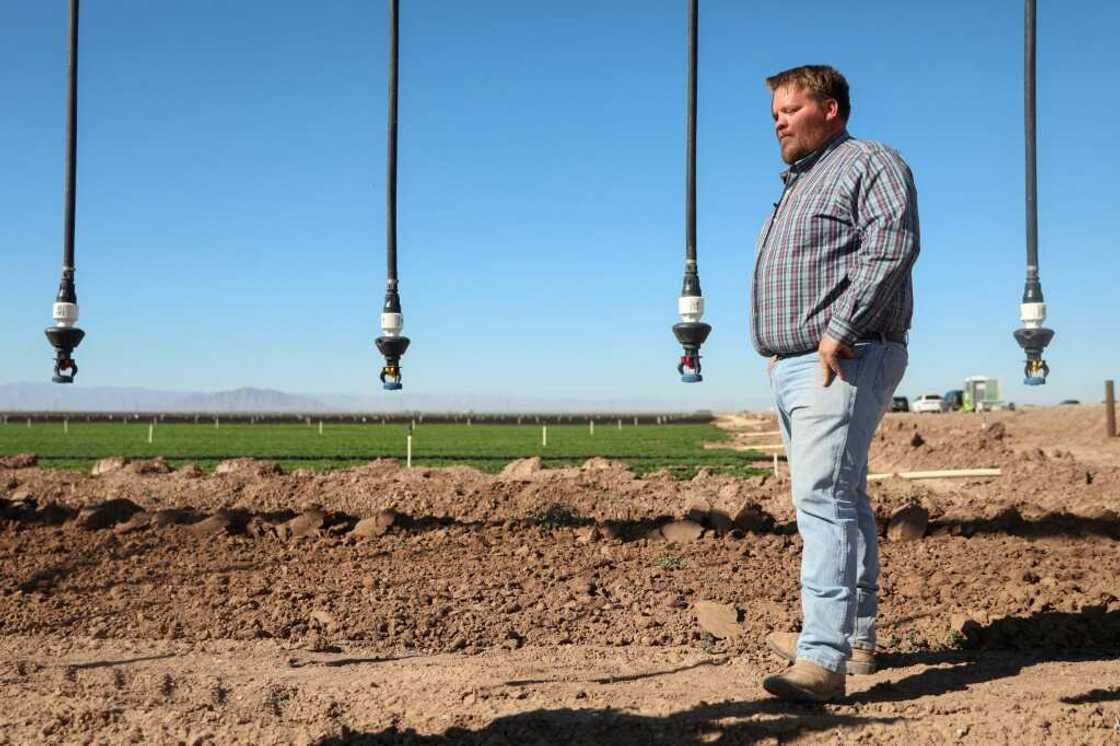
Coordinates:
column 1034, row 381
column 392, row 386
column 691, row 378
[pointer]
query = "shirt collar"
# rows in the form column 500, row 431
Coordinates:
column 803, row 164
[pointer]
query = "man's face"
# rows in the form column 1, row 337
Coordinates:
column 802, row 123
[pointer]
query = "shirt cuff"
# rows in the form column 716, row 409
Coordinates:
column 842, row 331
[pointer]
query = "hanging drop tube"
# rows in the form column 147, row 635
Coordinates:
column 65, row 335
column 690, row 331
column 392, row 344
column 1032, row 336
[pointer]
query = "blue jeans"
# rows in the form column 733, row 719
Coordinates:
column 827, row 433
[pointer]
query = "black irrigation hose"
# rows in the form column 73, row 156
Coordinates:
column 690, row 189
column 71, row 142
column 391, row 175
column 1029, row 130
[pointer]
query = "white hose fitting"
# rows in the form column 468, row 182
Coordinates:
column 690, row 307
column 1033, row 315
column 392, row 324
column 65, row 314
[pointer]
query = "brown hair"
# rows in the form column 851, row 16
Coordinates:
column 819, row 81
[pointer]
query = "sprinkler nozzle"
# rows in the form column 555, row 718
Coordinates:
column 1033, row 340
column 64, row 336
column 1033, row 336
column 391, row 344
column 64, row 339
column 691, row 332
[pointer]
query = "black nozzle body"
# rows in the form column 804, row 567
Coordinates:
column 692, row 334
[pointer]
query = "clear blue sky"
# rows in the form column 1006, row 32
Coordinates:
column 230, row 226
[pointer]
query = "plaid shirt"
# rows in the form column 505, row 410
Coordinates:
column 836, row 254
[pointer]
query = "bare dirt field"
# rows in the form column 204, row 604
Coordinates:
column 382, row 605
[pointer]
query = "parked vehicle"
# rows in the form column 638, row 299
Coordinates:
column 954, row 400
column 1068, row 402
column 900, row 404
column 928, row 403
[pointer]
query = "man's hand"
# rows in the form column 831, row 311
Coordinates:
column 830, row 352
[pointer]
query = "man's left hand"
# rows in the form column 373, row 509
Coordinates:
column 831, row 352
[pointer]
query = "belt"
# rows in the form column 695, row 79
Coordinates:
column 897, row 337
column 901, row 338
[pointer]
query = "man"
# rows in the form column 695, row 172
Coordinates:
column 832, row 301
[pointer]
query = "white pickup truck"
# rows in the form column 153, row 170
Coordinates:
column 929, row 403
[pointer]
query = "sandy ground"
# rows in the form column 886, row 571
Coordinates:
column 384, row 605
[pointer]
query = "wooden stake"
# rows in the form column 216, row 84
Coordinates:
column 938, row 474
column 544, row 436
column 1109, row 409
column 408, row 458
column 591, row 426
column 151, row 431
column 320, row 427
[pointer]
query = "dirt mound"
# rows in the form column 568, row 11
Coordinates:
column 248, row 467
column 19, row 461
column 107, row 465
column 522, row 468
column 156, row 465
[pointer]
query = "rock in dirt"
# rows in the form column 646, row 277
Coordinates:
column 718, row 620
column 138, row 521
column 222, row 522
column 106, row 514
column 307, row 523
column 259, row 528
column 324, row 619
column 157, row 465
column 19, row 461
column 521, row 468
column 967, row 629
column 172, row 517
column 917, row 441
column 752, row 518
column 682, row 532
column 697, row 509
column 106, row 465
column 995, row 431
column 721, row 522
column 190, row 470
column 377, row 525
column 908, row 523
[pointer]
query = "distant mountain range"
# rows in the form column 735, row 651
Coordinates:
column 47, row 397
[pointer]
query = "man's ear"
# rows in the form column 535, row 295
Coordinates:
column 831, row 109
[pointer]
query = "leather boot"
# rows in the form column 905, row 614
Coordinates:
column 805, row 681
